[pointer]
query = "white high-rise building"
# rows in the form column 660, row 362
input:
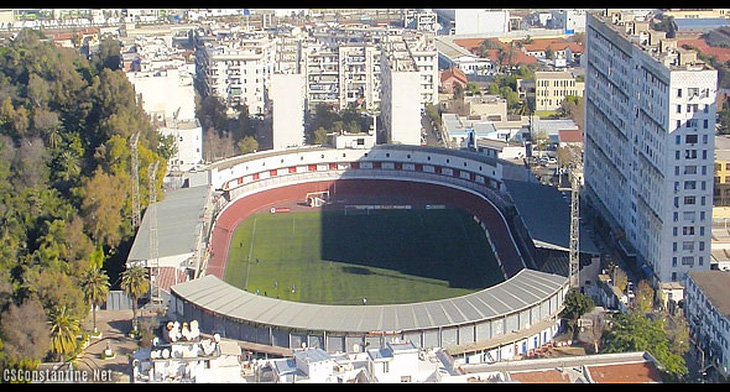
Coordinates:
column 649, row 142
column 400, row 108
column 287, row 106
column 480, row 21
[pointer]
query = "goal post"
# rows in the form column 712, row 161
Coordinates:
column 317, row 199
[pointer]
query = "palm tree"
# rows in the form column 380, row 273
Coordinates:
column 135, row 284
column 95, row 285
column 64, row 329
column 70, row 165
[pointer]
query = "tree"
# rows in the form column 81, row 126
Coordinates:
column 135, row 283
column 576, row 305
column 549, row 54
column 620, row 280
column 724, row 116
column 320, row 136
column 64, row 330
column 25, row 334
column 633, row 331
column 95, row 285
column 644, row 301
column 248, row 145
column 101, row 206
column 473, row 88
column 677, row 332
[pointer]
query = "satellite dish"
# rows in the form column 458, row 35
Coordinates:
column 356, row 348
column 166, row 353
column 217, row 338
column 304, row 344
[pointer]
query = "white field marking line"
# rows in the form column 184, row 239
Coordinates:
column 250, row 253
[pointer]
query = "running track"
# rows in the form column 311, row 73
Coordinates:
column 435, row 194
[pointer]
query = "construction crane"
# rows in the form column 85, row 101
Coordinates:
column 135, row 181
column 576, row 166
column 154, row 261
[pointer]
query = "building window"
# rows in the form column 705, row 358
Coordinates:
column 688, row 260
column 689, row 200
column 674, row 261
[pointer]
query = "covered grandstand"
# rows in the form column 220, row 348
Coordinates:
column 502, row 321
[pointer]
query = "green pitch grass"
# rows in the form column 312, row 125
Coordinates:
column 385, row 257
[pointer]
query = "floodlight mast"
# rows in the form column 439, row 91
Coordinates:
column 154, row 261
column 574, row 259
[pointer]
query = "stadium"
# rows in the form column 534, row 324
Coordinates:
column 516, row 315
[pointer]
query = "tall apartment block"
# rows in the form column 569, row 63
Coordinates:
column 237, row 69
column 649, row 142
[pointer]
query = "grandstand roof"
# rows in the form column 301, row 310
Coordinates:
column 179, row 220
column 526, row 288
column 546, row 215
column 697, row 24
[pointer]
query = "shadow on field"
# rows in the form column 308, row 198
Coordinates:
column 444, row 244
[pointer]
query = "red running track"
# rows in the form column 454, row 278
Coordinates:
column 418, row 192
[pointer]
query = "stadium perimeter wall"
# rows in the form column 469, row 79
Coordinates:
column 469, row 181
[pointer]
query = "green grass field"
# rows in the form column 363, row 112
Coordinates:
column 387, row 257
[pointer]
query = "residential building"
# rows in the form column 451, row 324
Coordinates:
column 288, row 110
column 236, row 67
column 707, row 308
column 451, row 77
column 188, row 136
column 421, row 20
column 190, row 359
column 721, row 189
column 396, row 362
column 409, row 80
column 551, row 89
column 569, row 21
column 477, row 21
column 649, row 141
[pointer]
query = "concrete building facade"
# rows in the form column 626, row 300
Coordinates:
column 551, row 89
column 649, row 143
column 288, row 108
column 708, row 313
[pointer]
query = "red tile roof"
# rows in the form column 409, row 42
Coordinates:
column 456, row 73
column 645, row 372
column 166, row 278
column 518, row 56
column 721, row 54
column 570, row 136
column 540, row 377
column 540, row 45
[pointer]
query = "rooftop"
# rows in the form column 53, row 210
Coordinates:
column 526, row 288
column 178, row 214
column 716, row 286
column 546, row 215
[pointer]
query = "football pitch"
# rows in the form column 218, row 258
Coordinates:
column 384, row 257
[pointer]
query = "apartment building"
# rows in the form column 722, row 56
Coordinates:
column 288, row 110
column 236, row 67
column 400, row 108
column 649, row 142
column 551, row 88
column 707, row 308
column 721, row 190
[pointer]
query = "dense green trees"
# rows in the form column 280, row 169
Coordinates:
column 633, row 331
column 65, row 186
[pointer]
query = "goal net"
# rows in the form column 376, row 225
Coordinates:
column 317, row 199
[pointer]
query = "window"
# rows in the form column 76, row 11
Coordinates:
column 705, row 123
column 679, row 93
column 688, row 230
column 688, row 245
column 702, row 246
column 701, row 260
column 690, row 154
column 690, row 169
column 690, row 139
column 688, row 260
column 690, row 184
column 679, row 108
column 679, row 123
column 674, row 261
